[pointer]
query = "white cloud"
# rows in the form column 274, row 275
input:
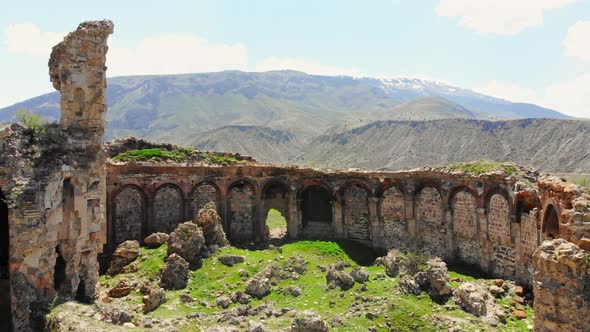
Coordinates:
column 276, row 63
column 28, row 39
column 174, row 54
column 509, row 91
column 576, row 42
column 572, row 97
column 505, row 17
column 569, row 97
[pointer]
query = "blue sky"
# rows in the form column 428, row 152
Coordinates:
column 523, row 50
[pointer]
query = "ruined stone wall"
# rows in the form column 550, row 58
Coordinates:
column 241, row 213
column 393, row 215
column 168, row 209
column 130, row 210
column 464, row 210
column 55, row 183
column 356, row 212
column 429, row 220
column 203, row 194
column 504, row 253
column 561, row 287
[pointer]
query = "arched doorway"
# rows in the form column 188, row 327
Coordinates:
column 551, row 224
column 5, row 311
column 275, row 205
column 316, row 211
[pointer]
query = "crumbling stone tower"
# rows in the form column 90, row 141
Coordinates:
column 52, row 184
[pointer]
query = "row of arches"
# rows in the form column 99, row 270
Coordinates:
column 314, row 201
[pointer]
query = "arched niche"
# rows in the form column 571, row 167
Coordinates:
column 355, row 212
column 168, row 208
column 241, row 209
column 129, row 214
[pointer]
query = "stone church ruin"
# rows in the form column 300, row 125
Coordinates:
column 63, row 202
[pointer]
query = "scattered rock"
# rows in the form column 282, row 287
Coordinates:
column 254, row 326
column 116, row 314
column 258, row 287
column 392, row 263
column 408, row 285
column 337, row 277
column 185, row 298
column 477, row 300
column 435, row 279
column 175, row 274
column 519, row 290
column 519, row 314
column 210, row 222
column 156, row 240
column 293, row 291
column 223, row 301
column 241, row 297
column 360, row 275
column 296, row 264
column 499, row 282
column 125, row 253
column 497, row 291
column 123, row 288
column 308, row 321
column 186, row 241
column 230, row 260
column 153, row 298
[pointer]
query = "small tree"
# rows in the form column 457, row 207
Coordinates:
column 31, row 120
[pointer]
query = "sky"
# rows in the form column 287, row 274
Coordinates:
column 535, row 51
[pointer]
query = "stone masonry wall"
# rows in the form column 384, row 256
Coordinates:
column 562, row 287
column 55, row 181
column 129, row 215
column 168, row 209
column 465, row 227
column 429, row 219
column 203, row 194
column 529, row 239
column 504, row 254
column 356, row 212
column 394, row 219
column 241, row 212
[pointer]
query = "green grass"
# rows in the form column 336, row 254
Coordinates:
column 581, row 180
column 484, row 166
column 400, row 312
column 275, row 220
column 155, row 154
column 220, row 159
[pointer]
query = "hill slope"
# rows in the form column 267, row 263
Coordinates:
column 551, row 145
column 172, row 107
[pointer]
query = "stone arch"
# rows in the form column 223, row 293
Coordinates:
column 241, row 211
column 392, row 212
column 315, row 206
column 129, row 214
column 500, row 235
column 168, row 208
column 465, row 225
column 551, row 222
column 275, row 195
column 428, row 210
column 5, row 307
column 203, row 193
column 355, row 211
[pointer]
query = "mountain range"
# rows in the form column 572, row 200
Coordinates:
column 289, row 116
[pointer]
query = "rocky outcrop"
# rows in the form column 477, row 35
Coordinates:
column 258, row 287
column 308, row 321
column 477, row 300
column 337, row 277
column 230, row 260
column 125, row 253
column 187, row 241
column 360, row 275
column 123, row 288
column 175, row 274
column 561, row 286
column 210, row 222
column 153, row 297
column 156, row 240
column 408, row 285
column 435, row 279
